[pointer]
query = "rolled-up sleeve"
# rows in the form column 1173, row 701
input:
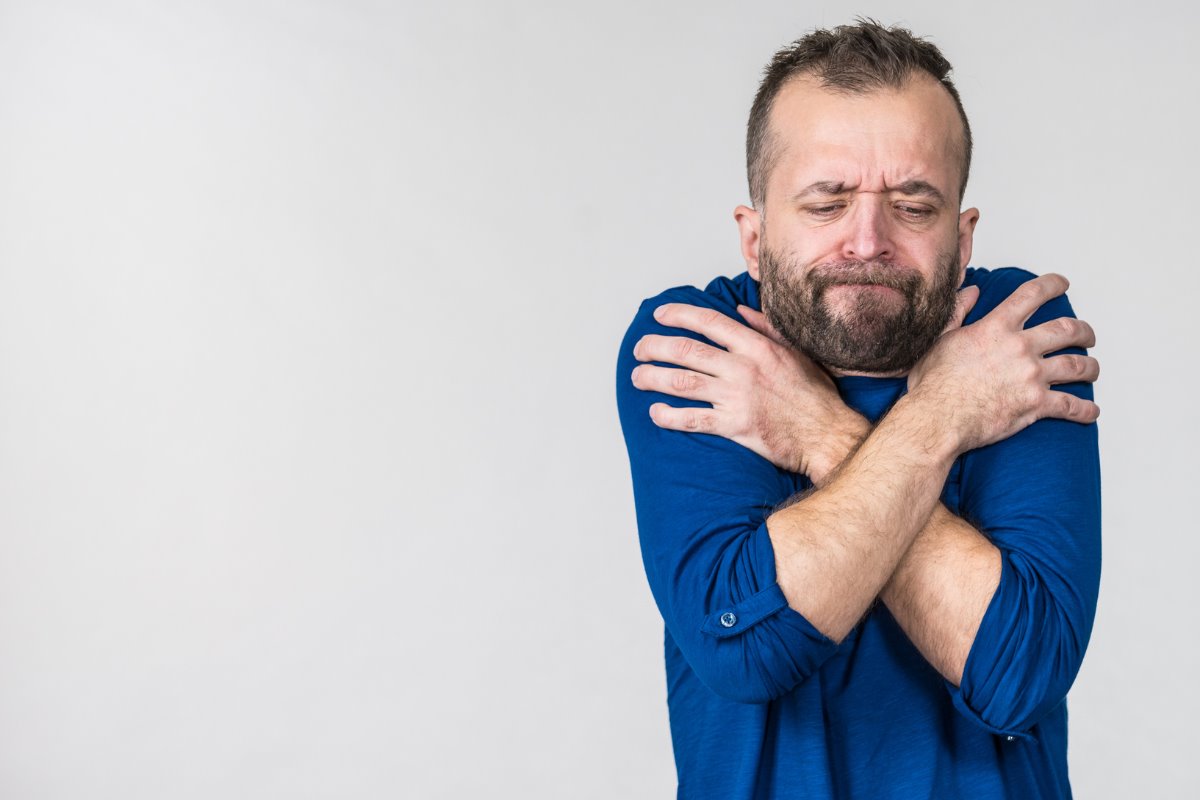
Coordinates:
column 702, row 503
column 1036, row 496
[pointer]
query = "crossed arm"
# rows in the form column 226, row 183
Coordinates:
column 874, row 527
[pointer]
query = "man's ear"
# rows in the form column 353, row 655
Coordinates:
column 749, row 224
column 966, row 239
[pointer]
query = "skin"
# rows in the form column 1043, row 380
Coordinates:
column 872, row 177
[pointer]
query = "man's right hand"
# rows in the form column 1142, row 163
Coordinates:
column 988, row 380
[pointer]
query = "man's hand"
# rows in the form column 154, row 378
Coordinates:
column 765, row 395
column 991, row 379
column 988, row 380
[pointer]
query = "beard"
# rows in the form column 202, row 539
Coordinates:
column 877, row 331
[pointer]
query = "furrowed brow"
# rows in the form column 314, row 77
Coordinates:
column 919, row 188
column 824, row 188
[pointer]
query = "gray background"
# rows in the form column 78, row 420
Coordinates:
column 311, row 483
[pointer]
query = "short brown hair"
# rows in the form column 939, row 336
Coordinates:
column 849, row 58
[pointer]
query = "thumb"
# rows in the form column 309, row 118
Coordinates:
column 759, row 322
column 963, row 303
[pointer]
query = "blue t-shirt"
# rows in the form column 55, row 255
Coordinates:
column 770, row 707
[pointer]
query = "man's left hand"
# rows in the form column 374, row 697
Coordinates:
column 765, row 395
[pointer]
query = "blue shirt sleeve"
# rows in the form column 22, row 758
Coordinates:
column 702, row 503
column 1036, row 496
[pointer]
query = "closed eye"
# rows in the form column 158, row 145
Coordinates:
column 914, row 212
column 825, row 210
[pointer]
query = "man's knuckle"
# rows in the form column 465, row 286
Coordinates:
column 1070, row 366
column 1066, row 404
column 1030, row 372
column 1028, row 293
column 1030, row 396
column 1062, row 327
column 684, row 381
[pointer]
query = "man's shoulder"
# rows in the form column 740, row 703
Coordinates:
column 994, row 286
column 997, row 284
column 722, row 293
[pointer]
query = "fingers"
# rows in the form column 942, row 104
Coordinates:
column 1019, row 306
column 964, row 301
column 1070, row 368
column 680, row 350
column 708, row 322
column 1057, row 334
column 692, row 420
column 759, row 322
column 677, row 382
column 1060, row 405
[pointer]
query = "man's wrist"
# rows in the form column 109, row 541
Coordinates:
column 842, row 437
column 926, row 419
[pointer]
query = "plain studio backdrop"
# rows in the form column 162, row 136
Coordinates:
column 311, row 481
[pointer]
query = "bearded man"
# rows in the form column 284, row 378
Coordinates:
column 866, row 475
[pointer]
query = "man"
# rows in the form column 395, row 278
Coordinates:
column 868, row 500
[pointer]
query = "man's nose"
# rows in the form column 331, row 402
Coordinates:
column 869, row 234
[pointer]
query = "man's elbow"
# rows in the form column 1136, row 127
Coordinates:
column 762, row 664
column 1017, row 708
column 744, row 681
column 1016, row 693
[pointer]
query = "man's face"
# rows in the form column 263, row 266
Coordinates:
column 865, row 246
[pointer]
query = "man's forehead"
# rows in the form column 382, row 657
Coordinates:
column 921, row 96
column 889, row 136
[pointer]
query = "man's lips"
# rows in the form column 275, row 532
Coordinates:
column 875, row 288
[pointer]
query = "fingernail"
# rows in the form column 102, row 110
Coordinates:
column 658, row 312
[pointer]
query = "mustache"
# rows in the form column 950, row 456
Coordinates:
column 865, row 273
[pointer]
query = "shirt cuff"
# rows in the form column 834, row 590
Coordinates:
column 732, row 619
column 740, row 617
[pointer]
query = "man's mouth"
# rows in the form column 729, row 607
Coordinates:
column 876, row 288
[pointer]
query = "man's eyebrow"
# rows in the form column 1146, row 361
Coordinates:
column 820, row 187
column 919, row 188
column 914, row 188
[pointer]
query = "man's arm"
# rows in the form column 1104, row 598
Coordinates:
column 702, row 503
column 940, row 589
column 837, row 548
column 951, row 573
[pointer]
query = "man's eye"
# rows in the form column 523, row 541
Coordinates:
column 825, row 211
column 915, row 212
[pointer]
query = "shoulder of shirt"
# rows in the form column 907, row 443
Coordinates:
column 722, row 293
column 994, row 285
